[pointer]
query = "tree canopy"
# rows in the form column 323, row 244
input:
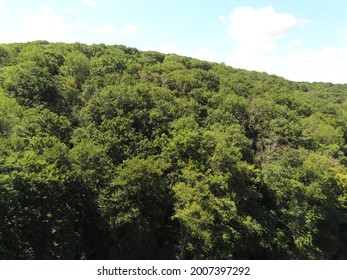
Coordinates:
column 107, row 152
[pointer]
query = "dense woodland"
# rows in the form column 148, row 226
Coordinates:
column 107, row 152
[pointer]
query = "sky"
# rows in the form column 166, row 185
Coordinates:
column 301, row 40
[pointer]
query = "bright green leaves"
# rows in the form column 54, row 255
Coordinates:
column 112, row 61
column 89, row 163
column 43, row 56
column 211, row 216
column 5, row 55
column 36, row 216
column 139, row 187
column 36, row 200
column 77, row 65
column 317, row 134
column 184, row 81
column 308, row 195
column 31, row 78
column 30, row 83
column 214, row 188
column 10, row 113
column 185, row 145
column 194, row 211
column 137, row 206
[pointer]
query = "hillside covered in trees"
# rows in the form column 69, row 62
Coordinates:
column 107, row 152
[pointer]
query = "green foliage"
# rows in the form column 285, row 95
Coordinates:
column 107, row 152
column 309, row 199
column 77, row 65
column 316, row 133
column 10, row 113
column 138, row 208
column 30, row 84
column 5, row 55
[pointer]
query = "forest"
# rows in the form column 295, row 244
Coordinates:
column 108, row 152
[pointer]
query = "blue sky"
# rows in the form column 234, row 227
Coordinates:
column 299, row 40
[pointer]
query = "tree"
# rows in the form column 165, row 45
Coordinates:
column 138, row 208
column 5, row 55
column 30, row 84
column 309, row 201
column 77, row 65
column 107, row 152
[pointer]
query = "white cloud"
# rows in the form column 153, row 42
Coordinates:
column 297, row 42
column 223, row 19
column 168, row 48
column 90, row 3
column 257, row 32
column 45, row 25
column 205, row 54
column 47, row 10
column 67, row 9
column 325, row 65
column 128, row 29
column 342, row 34
column 248, row 57
column 260, row 26
column 81, row 24
column 107, row 29
column 2, row 3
